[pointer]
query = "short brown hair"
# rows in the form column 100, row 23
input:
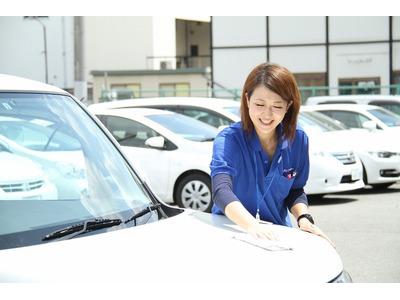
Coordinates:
column 279, row 80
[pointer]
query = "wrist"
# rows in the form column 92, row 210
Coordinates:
column 305, row 218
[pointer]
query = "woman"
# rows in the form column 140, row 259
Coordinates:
column 260, row 165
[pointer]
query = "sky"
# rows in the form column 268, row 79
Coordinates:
column 199, row 7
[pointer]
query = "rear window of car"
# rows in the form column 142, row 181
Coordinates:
column 386, row 117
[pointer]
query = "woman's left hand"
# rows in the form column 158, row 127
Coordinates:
column 306, row 225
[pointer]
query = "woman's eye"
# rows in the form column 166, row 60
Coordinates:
column 260, row 105
column 278, row 107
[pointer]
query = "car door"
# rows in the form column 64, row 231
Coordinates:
column 154, row 163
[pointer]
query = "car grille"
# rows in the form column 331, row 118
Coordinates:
column 22, row 187
column 346, row 158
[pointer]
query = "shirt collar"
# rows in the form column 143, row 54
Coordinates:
column 256, row 144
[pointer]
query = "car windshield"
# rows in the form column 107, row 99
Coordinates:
column 186, row 127
column 316, row 122
column 387, row 117
column 58, row 168
column 233, row 109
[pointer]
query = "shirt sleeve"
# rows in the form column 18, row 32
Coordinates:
column 225, row 150
column 222, row 191
column 297, row 194
column 303, row 165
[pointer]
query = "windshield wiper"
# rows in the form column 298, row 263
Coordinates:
column 143, row 212
column 87, row 226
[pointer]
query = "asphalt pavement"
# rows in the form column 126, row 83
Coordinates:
column 365, row 227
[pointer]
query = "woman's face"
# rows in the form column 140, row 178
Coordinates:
column 266, row 110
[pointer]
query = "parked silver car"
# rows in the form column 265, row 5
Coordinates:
column 116, row 229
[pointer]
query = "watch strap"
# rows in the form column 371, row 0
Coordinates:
column 307, row 216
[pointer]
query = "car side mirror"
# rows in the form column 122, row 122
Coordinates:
column 370, row 125
column 156, row 142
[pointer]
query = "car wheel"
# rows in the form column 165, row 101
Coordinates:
column 194, row 191
column 381, row 186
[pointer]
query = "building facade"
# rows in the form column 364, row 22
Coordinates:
column 348, row 54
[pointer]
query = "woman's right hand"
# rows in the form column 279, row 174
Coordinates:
column 262, row 230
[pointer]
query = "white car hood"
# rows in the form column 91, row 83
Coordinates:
column 190, row 247
column 363, row 140
column 15, row 168
column 327, row 142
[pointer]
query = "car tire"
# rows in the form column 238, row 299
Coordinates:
column 194, row 191
column 381, row 186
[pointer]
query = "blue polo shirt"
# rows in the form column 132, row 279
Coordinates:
column 257, row 181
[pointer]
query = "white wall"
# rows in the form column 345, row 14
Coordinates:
column 396, row 28
column 231, row 66
column 150, row 83
column 351, row 29
column 239, row 31
column 300, row 59
column 22, row 49
column 347, row 61
column 118, row 43
column 296, row 30
column 164, row 40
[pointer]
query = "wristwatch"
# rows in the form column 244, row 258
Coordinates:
column 307, row 216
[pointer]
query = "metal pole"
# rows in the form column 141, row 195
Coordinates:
column 80, row 84
column 45, row 48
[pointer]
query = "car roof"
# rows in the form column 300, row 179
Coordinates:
column 129, row 112
column 193, row 101
column 11, row 83
column 355, row 98
column 353, row 107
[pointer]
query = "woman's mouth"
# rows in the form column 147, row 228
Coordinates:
column 265, row 122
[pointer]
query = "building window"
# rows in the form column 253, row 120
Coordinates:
column 174, row 90
column 126, row 91
column 396, row 80
column 355, row 86
column 311, row 84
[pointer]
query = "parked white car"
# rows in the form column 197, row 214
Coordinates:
column 119, row 231
column 334, row 167
column 380, row 159
column 23, row 179
column 388, row 102
column 361, row 116
column 46, row 144
column 213, row 111
column 173, row 151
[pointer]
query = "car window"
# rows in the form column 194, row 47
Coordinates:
column 233, row 109
column 31, row 135
column 57, row 168
column 128, row 132
column 206, row 116
column 324, row 122
column 393, row 106
column 387, row 117
column 185, row 127
column 348, row 118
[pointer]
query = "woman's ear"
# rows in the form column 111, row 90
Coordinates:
column 247, row 98
column 288, row 106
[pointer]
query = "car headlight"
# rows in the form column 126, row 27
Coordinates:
column 384, row 154
column 343, row 277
